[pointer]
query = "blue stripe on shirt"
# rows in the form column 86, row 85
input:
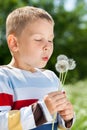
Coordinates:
column 47, row 127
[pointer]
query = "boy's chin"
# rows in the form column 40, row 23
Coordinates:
column 41, row 66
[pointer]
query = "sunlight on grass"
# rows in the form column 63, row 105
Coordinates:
column 77, row 93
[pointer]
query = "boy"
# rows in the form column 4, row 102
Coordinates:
column 28, row 93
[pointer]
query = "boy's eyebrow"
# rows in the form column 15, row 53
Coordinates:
column 52, row 35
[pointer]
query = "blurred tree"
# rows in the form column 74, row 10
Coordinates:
column 70, row 32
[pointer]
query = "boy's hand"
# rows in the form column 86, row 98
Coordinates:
column 68, row 112
column 57, row 102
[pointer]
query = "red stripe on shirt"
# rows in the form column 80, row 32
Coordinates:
column 23, row 103
column 6, row 99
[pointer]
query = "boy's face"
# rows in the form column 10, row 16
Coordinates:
column 35, row 44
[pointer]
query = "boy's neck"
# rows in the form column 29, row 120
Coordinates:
column 13, row 63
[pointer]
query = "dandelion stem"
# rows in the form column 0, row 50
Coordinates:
column 54, row 117
column 64, row 78
column 60, row 76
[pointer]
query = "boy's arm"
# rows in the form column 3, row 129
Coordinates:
column 25, row 118
column 22, row 119
column 60, row 120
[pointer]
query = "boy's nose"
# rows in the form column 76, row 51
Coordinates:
column 45, row 49
column 47, row 46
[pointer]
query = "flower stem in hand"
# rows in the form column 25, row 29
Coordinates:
column 54, row 118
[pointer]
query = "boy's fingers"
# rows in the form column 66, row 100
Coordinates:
column 56, row 95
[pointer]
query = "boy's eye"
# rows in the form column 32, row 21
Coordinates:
column 51, row 41
column 38, row 39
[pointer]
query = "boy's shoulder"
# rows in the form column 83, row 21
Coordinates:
column 3, row 72
column 4, row 67
column 49, row 73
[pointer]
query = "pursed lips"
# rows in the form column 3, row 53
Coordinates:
column 45, row 58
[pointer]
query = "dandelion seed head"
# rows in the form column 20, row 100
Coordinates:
column 62, row 57
column 62, row 66
column 72, row 64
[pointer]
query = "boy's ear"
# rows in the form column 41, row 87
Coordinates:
column 12, row 43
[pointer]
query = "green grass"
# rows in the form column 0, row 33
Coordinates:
column 77, row 93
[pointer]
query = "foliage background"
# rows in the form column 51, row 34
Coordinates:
column 70, row 39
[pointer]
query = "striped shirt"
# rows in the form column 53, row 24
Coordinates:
column 21, row 99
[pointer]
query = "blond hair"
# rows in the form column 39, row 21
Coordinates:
column 19, row 18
